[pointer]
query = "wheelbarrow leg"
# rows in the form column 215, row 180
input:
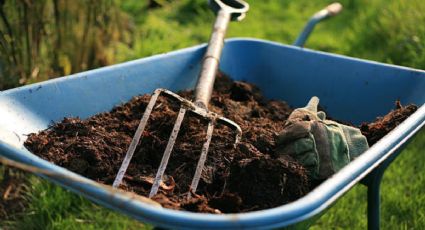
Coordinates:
column 373, row 183
column 374, row 199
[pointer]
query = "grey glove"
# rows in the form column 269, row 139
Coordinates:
column 322, row 146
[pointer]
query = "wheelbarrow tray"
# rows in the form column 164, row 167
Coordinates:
column 350, row 89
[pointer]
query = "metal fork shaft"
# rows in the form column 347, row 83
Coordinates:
column 204, row 87
column 167, row 153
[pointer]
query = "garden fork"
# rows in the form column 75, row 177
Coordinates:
column 226, row 10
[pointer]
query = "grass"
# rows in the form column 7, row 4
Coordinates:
column 52, row 207
column 386, row 31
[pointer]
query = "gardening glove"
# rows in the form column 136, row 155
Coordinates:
column 322, row 146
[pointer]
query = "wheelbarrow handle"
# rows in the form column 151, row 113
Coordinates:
column 329, row 11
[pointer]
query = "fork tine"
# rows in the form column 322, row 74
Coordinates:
column 136, row 138
column 202, row 159
column 231, row 124
column 186, row 105
column 167, row 153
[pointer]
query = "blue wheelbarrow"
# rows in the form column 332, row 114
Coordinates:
column 351, row 89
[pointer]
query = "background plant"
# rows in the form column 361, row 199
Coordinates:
column 41, row 39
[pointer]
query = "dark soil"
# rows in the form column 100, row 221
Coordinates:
column 383, row 125
column 248, row 177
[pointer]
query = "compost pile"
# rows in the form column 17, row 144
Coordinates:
column 248, row 177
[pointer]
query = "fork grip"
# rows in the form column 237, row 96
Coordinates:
column 211, row 60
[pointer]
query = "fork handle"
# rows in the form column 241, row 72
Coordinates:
column 211, row 60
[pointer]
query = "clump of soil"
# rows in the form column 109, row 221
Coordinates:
column 248, row 177
column 383, row 125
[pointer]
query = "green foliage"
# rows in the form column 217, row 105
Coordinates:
column 50, row 38
column 40, row 39
column 52, row 207
column 393, row 35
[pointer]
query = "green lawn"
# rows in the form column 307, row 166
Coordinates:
column 382, row 30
